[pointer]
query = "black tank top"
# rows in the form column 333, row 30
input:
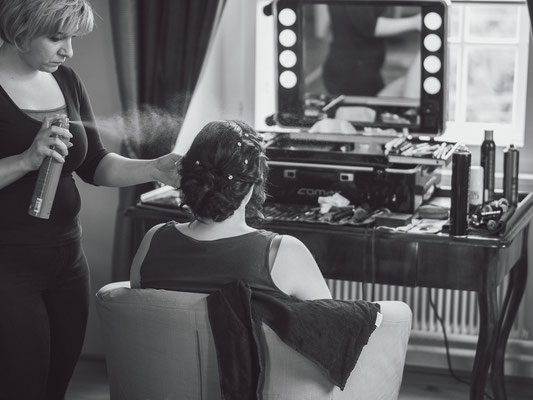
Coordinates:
column 176, row 261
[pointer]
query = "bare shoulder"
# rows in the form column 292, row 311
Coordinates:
column 294, row 261
column 290, row 243
column 293, row 251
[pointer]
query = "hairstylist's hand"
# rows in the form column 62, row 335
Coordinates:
column 167, row 169
column 47, row 142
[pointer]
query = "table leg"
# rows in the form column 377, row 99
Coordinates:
column 513, row 297
column 488, row 330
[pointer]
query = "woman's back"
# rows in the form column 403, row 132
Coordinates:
column 177, row 261
column 171, row 256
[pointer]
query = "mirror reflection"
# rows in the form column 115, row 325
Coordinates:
column 362, row 50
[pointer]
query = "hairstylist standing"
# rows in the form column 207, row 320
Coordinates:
column 44, row 285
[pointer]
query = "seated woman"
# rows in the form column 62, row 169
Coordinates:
column 223, row 180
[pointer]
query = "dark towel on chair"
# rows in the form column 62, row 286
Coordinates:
column 331, row 333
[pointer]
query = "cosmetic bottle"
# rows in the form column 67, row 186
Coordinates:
column 45, row 188
column 461, row 159
column 488, row 160
column 510, row 174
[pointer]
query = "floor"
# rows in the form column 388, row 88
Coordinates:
column 90, row 383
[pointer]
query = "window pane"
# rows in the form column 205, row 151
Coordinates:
column 454, row 21
column 490, row 84
column 453, row 53
column 485, row 22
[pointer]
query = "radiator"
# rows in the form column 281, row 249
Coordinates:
column 458, row 309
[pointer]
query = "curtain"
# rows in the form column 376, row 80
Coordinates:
column 160, row 47
column 173, row 39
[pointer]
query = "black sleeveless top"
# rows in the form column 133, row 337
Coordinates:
column 176, row 261
column 236, row 273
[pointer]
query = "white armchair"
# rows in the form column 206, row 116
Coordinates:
column 159, row 346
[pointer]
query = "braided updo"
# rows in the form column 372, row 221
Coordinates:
column 224, row 161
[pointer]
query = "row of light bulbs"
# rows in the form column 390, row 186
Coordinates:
column 287, row 58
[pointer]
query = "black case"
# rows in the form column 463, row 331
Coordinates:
column 400, row 188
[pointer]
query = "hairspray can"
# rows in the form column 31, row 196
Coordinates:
column 461, row 159
column 488, row 160
column 45, row 188
column 510, row 174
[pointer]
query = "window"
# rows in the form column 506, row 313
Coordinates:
column 487, row 71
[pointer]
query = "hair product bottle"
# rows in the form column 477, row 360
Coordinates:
column 461, row 159
column 45, row 188
column 475, row 187
column 510, row 174
column 488, row 160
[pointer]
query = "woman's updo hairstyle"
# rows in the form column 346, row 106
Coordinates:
column 224, row 161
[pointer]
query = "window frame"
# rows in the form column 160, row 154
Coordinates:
column 472, row 132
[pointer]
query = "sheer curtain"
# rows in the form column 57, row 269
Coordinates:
column 160, row 46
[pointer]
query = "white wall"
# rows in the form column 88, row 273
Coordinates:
column 225, row 88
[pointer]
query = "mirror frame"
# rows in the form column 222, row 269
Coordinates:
column 432, row 107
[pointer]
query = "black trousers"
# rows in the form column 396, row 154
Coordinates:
column 44, row 303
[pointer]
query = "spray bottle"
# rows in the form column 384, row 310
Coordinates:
column 45, row 188
column 510, row 174
column 488, row 162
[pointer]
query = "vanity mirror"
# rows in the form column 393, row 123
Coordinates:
column 377, row 64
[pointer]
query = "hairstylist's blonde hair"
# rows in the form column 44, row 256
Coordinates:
column 21, row 21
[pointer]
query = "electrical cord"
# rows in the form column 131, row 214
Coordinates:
column 372, row 252
column 432, row 304
column 373, row 263
column 446, row 344
column 363, row 291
